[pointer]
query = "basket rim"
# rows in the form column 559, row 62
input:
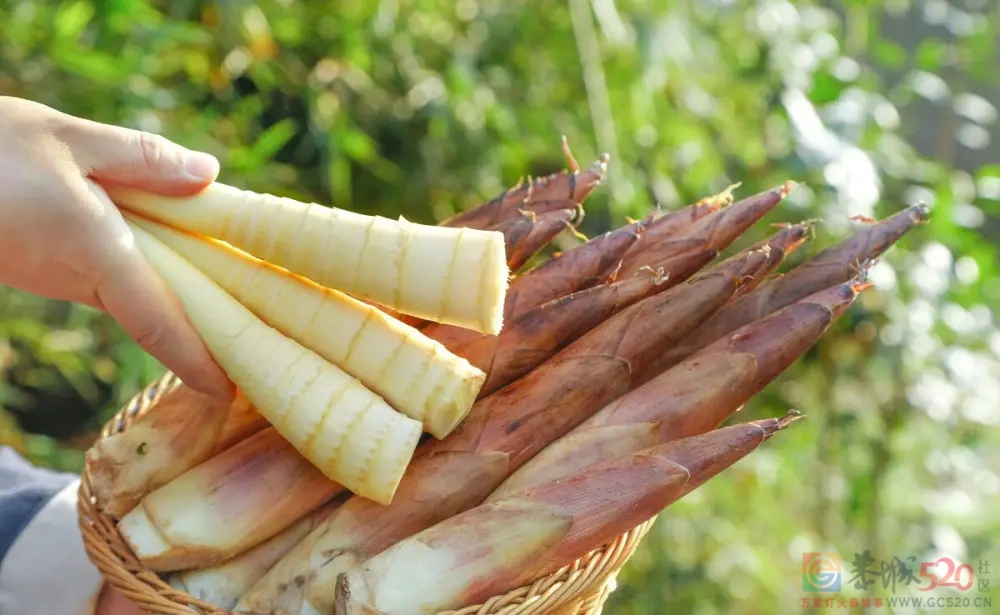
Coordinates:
column 587, row 582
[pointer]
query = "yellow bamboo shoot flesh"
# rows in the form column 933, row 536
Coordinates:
column 418, row 376
column 455, row 276
column 352, row 435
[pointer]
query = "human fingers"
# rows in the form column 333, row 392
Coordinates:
column 138, row 159
column 131, row 291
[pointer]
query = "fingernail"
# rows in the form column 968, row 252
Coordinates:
column 201, row 166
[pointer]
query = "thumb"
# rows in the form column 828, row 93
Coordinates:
column 139, row 159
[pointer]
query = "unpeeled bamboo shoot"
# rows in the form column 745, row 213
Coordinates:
column 352, row 435
column 780, row 244
column 226, row 505
column 496, row 547
column 538, row 195
column 669, row 223
column 693, row 397
column 223, row 585
column 413, row 373
column 535, row 336
column 834, row 265
column 281, row 590
column 592, row 262
column 712, row 233
column 583, row 266
column 532, row 337
column 451, row 275
column 507, row 428
column 156, row 448
column 243, row 421
column 512, row 533
column 526, row 235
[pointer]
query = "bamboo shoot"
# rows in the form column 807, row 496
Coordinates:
column 451, row 275
column 584, row 266
column 226, row 505
column 672, row 222
column 413, row 373
column 539, row 195
column 526, row 235
column 353, row 436
column 510, row 426
column 835, row 265
column 503, row 544
column 713, row 232
column 532, row 338
column 224, row 584
column 694, row 396
column 155, row 449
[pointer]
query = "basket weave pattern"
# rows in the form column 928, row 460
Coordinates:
column 580, row 588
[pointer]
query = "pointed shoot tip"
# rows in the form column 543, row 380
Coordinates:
column 659, row 276
column 640, row 225
column 720, row 200
column 790, row 417
column 798, row 234
column 569, row 155
column 923, row 211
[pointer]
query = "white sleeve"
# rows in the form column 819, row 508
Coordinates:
column 46, row 571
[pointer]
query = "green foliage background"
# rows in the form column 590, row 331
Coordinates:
column 426, row 108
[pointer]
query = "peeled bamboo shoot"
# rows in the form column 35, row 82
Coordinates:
column 353, row 436
column 524, row 237
column 413, row 373
column 450, row 275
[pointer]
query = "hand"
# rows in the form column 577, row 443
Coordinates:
column 111, row 602
column 61, row 237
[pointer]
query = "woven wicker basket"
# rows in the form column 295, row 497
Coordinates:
column 580, row 588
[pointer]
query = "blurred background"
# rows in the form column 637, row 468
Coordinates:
column 426, row 108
